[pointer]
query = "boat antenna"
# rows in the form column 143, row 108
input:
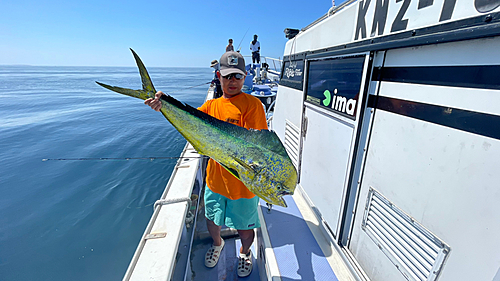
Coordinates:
column 239, row 46
column 121, row 158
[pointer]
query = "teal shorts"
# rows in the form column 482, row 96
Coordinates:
column 239, row 214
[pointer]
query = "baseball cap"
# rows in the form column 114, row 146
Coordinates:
column 232, row 62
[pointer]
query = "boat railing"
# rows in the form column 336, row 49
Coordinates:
column 157, row 255
column 274, row 64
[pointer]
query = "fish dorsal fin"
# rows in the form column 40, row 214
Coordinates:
column 267, row 139
column 261, row 138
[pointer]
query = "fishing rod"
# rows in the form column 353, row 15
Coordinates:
column 190, row 87
column 239, row 48
column 121, row 158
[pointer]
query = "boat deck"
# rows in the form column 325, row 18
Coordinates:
column 289, row 236
column 297, row 252
column 228, row 261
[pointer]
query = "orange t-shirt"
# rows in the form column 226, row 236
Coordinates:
column 245, row 111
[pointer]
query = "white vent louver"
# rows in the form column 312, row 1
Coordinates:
column 292, row 142
column 414, row 250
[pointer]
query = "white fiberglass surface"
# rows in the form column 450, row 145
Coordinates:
column 325, row 158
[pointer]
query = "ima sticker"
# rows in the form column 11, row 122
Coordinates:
column 339, row 103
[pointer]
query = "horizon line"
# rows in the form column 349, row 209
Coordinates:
column 34, row 65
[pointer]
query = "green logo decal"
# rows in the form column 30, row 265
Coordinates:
column 328, row 98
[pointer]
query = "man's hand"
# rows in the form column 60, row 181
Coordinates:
column 155, row 103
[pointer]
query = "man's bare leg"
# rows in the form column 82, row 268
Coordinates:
column 246, row 237
column 214, row 231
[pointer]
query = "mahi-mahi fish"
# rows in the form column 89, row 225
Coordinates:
column 256, row 157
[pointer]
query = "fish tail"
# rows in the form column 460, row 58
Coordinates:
column 148, row 90
column 140, row 94
column 147, row 84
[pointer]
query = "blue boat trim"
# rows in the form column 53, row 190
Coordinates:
column 474, row 122
column 467, row 76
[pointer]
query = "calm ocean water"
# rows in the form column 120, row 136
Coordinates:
column 81, row 220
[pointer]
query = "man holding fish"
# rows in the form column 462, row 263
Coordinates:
column 227, row 200
column 232, row 131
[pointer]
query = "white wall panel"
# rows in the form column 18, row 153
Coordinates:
column 447, row 180
column 289, row 104
column 472, row 52
column 324, row 181
column 342, row 24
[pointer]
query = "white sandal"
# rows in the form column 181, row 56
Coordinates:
column 213, row 254
column 245, row 264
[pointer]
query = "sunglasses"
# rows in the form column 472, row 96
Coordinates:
column 238, row 76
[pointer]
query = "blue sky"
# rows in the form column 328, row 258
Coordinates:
column 163, row 33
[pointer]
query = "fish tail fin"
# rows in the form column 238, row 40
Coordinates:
column 147, row 84
column 148, row 90
column 140, row 94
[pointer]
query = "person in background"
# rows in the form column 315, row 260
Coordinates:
column 215, row 80
column 230, row 46
column 227, row 200
column 255, row 48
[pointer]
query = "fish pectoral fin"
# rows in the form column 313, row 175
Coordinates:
column 231, row 170
column 140, row 94
column 253, row 167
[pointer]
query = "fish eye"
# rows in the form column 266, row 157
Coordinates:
column 279, row 187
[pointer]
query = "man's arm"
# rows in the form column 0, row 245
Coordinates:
column 156, row 103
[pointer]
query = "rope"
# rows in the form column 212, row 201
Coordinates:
column 122, row 158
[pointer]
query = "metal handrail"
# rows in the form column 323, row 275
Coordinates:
column 276, row 62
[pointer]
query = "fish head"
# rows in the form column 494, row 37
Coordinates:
column 271, row 186
column 280, row 190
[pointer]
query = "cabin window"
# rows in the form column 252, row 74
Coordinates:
column 292, row 74
column 335, row 84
